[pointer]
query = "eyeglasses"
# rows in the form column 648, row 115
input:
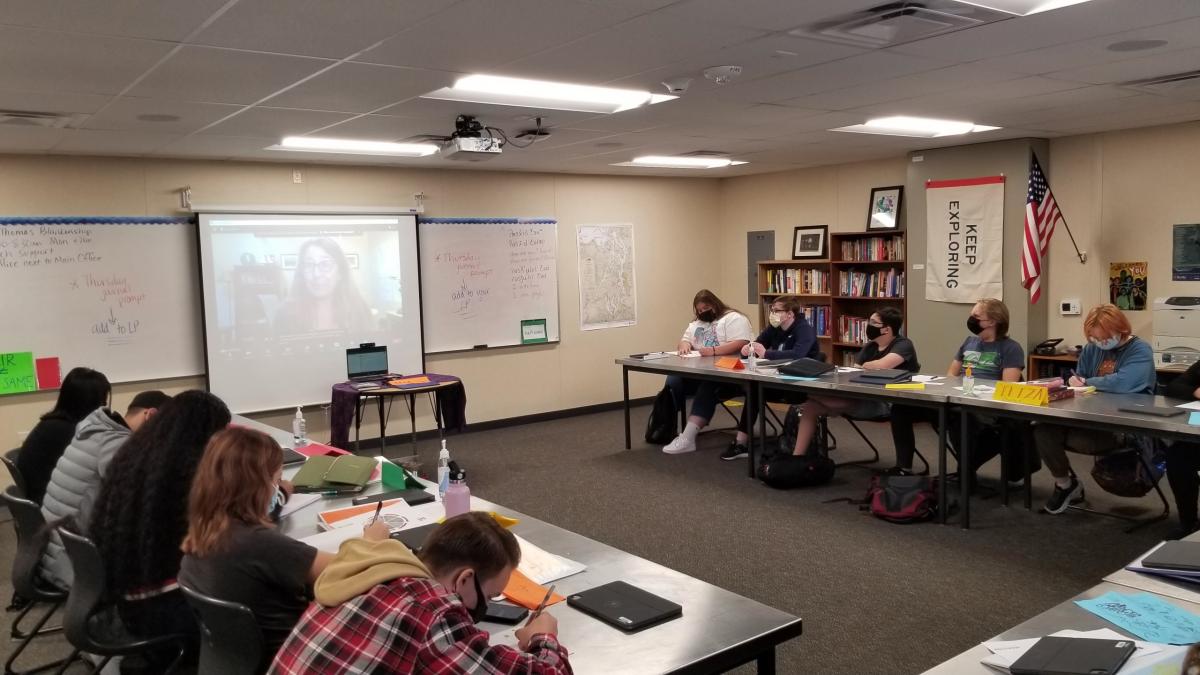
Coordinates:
column 875, row 323
column 323, row 266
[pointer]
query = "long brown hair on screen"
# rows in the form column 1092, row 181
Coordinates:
column 709, row 298
column 233, row 484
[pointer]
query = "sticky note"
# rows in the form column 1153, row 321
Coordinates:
column 1194, row 419
column 905, row 385
column 523, row 591
column 1027, row 394
column 49, row 374
column 1146, row 616
column 16, row 373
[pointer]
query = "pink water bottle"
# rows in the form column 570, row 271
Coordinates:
column 458, row 496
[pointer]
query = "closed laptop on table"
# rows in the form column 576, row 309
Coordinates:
column 883, row 376
column 1073, row 656
column 624, row 606
column 1180, row 556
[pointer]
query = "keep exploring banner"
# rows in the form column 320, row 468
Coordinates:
column 965, row 245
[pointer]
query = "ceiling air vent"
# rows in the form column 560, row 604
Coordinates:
column 46, row 120
column 1179, row 85
column 720, row 154
column 899, row 22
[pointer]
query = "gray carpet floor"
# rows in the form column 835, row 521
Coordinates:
column 875, row 597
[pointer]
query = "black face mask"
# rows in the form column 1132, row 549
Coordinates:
column 707, row 315
column 873, row 332
column 481, row 603
column 973, row 325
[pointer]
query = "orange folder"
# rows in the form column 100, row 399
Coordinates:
column 523, row 591
column 730, row 362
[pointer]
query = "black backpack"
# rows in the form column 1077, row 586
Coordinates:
column 662, row 427
column 784, row 470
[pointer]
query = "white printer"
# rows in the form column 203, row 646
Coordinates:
column 1176, row 331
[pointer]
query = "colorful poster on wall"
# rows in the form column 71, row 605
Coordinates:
column 1185, row 258
column 16, row 373
column 1127, row 285
column 965, row 239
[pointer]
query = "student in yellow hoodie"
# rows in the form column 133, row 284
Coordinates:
column 382, row 609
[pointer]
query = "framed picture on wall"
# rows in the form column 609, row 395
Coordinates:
column 883, row 213
column 810, row 242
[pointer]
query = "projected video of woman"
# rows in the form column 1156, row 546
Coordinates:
column 323, row 295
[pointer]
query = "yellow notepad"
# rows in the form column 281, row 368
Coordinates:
column 905, row 385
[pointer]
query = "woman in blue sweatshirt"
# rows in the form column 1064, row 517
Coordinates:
column 1114, row 361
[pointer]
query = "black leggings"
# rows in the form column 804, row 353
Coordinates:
column 988, row 438
column 1183, row 463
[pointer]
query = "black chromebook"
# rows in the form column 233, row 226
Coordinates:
column 624, row 606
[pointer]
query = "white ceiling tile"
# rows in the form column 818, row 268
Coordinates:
column 122, row 115
column 901, row 88
column 203, row 145
column 1133, row 69
column 853, row 71
column 480, row 35
column 91, row 141
column 384, row 128
column 357, row 87
column 38, row 60
column 155, row 19
column 28, row 139
column 224, row 76
column 666, row 37
column 325, row 28
column 260, row 122
column 52, row 101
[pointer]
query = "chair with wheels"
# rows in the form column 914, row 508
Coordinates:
column 89, row 625
column 231, row 641
column 32, row 536
column 9, row 460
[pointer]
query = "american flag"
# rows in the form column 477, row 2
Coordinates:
column 1041, row 215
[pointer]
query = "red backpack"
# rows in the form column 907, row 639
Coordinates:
column 902, row 499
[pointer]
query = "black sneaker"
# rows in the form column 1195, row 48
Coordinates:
column 735, row 451
column 1064, row 497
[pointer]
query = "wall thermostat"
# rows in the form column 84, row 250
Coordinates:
column 1069, row 306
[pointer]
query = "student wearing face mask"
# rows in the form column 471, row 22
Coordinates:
column 1114, row 360
column 718, row 330
column 885, row 348
column 233, row 551
column 991, row 355
column 382, row 609
column 788, row 336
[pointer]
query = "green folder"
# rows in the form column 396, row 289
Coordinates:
column 325, row 473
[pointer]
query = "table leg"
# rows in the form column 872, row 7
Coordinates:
column 942, row 507
column 1004, row 440
column 625, row 388
column 1027, row 471
column 749, row 427
column 762, row 427
column 766, row 662
column 964, row 469
column 412, row 419
column 437, row 417
column 358, row 406
column 382, row 429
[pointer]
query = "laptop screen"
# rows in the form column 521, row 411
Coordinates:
column 366, row 361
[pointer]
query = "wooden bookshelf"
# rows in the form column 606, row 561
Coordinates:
column 833, row 302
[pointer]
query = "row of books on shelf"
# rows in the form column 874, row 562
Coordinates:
column 881, row 284
column 852, row 329
column 799, row 281
column 873, row 249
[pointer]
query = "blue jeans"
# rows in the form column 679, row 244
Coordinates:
column 705, row 394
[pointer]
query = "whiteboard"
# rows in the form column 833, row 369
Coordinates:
column 115, row 294
column 480, row 278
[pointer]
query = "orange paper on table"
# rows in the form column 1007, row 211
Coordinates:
column 523, row 591
column 415, row 379
column 334, row 516
column 730, row 362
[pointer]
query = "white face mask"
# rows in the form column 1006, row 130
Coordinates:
column 775, row 319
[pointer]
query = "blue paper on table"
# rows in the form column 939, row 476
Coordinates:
column 1147, row 616
column 1194, row 419
column 795, row 378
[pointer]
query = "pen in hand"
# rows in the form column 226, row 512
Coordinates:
column 542, row 606
column 378, row 508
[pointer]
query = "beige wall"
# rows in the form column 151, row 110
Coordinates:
column 1121, row 192
column 676, row 221
column 830, row 195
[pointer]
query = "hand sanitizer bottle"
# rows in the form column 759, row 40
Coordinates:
column 298, row 431
column 968, row 385
column 443, row 471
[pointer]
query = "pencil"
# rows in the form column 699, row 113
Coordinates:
column 378, row 508
column 541, row 607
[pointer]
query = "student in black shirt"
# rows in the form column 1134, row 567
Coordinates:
column 1183, row 459
column 789, row 336
column 83, row 391
column 233, row 551
column 885, row 349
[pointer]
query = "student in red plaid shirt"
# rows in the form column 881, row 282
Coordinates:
column 382, row 609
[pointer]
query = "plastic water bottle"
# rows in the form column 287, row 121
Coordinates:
column 299, row 436
column 458, row 495
column 968, row 385
column 443, row 471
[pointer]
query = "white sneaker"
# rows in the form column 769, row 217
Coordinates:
column 680, row 445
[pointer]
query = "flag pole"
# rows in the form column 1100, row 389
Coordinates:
column 1082, row 256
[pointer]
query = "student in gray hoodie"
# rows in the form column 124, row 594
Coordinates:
column 75, row 481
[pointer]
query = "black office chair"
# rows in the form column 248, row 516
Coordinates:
column 32, row 536
column 9, row 459
column 90, row 625
column 851, row 419
column 231, row 641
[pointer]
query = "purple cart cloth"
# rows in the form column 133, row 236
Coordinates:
column 451, row 407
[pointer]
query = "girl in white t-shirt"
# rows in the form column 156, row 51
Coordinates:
column 717, row 330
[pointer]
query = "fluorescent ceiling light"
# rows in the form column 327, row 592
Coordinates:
column 541, row 94
column 1023, row 7
column 919, row 127
column 351, row 147
column 665, row 162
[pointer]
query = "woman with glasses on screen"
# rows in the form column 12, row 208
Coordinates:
column 323, row 296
